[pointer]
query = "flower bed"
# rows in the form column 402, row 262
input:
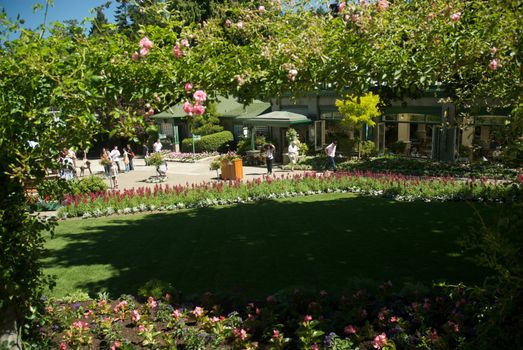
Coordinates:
column 436, row 318
column 208, row 194
column 188, row 157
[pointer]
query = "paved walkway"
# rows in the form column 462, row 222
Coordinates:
column 178, row 173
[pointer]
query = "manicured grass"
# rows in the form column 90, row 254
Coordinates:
column 326, row 242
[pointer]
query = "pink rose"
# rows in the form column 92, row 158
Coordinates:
column 141, row 328
column 350, row 329
column 152, row 303
column 380, row 341
column 307, row 318
column 228, row 23
column 383, row 5
column 188, row 108
column 135, row 316
column 135, row 56
column 177, row 52
column 493, row 49
column 315, row 347
column 176, row 313
column 341, row 6
column 63, row 346
column 275, row 333
column 239, row 25
column 144, row 52
column 198, row 311
column 261, row 8
column 493, row 65
column 355, row 17
column 200, row 96
column 188, row 87
column 145, row 43
column 185, row 42
column 456, row 16
column 198, row 109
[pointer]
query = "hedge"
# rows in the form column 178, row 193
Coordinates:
column 209, row 143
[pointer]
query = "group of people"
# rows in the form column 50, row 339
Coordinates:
column 111, row 162
column 293, row 154
column 68, row 164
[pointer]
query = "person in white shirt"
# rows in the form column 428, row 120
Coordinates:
column 269, row 156
column 293, row 154
column 115, row 157
column 330, row 150
column 157, row 146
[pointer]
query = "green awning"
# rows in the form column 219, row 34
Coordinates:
column 226, row 107
column 278, row 119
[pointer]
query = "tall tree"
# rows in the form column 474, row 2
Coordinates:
column 99, row 23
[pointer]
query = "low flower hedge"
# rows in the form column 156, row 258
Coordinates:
column 188, row 157
column 419, row 318
column 207, row 194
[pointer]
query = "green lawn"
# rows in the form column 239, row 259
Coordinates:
column 326, row 242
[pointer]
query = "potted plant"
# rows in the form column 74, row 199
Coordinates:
column 231, row 166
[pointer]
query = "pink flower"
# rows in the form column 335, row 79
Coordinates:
column 434, row 335
column 145, row 43
column 168, row 295
column 144, row 52
column 261, row 8
column 493, row 65
column 228, row 23
column 151, row 302
column 116, row 345
column 240, row 333
column 188, row 87
column 176, row 313
column 393, row 319
column 141, row 328
column 200, row 96
column 380, row 341
column 177, row 52
column 350, row 329
column 214, row 319
column 520, row 178
column 185, row 42
column 307, row 318
column 198, row 109
column 188, row 108
column 135, row 56
column 383, row 5
column 341, row 6
column 315, row 347
column 135, row 316
column 63, row 346
column 355, row 17
column 198, row 311
column 493, row 49
column 275, row 333
column 456, row 16
column 239, row 25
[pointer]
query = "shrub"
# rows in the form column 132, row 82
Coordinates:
column 88, row 185
column 367, row 149
column 244, row 144
column 398, row 147
column 209, row 143
column 53, row 189
column 156, row 159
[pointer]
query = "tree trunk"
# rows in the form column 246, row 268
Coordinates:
column 10, row 338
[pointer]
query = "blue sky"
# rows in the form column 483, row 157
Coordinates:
column 62, row 10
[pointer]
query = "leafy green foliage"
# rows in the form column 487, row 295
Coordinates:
column 359, row 110
column 220, row 141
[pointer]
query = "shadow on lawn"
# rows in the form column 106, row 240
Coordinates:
column 254, row 250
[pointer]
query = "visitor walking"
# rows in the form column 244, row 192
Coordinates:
column 269, row 156
column 157, row 146
column 145, row 150
column 292, row 152
column 131, row 155
column 126, row 160
column 113, row 179
column 330, row 151
column 115, row 157
column 105, row 160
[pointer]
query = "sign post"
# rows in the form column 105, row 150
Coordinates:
column 194, row 138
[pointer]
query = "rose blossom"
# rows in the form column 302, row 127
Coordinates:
column 135, row 316
column 456, row 16
column 145, row 43
column 135, row 56
column 493, row 65
column 383, row 5
column 261, row 8
column 228, row 23
column 493, row 49
column 275, row 333
column 239, row 25
column 200, row 96
column 188, row 108
column 379, row 341
column 350, row 329
column 341, row 6
column 198, row 109
column 144, row 52
column 177, row 52
column 185, row 42
column 188, row 87
column 307, row 318
column 198, row 311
